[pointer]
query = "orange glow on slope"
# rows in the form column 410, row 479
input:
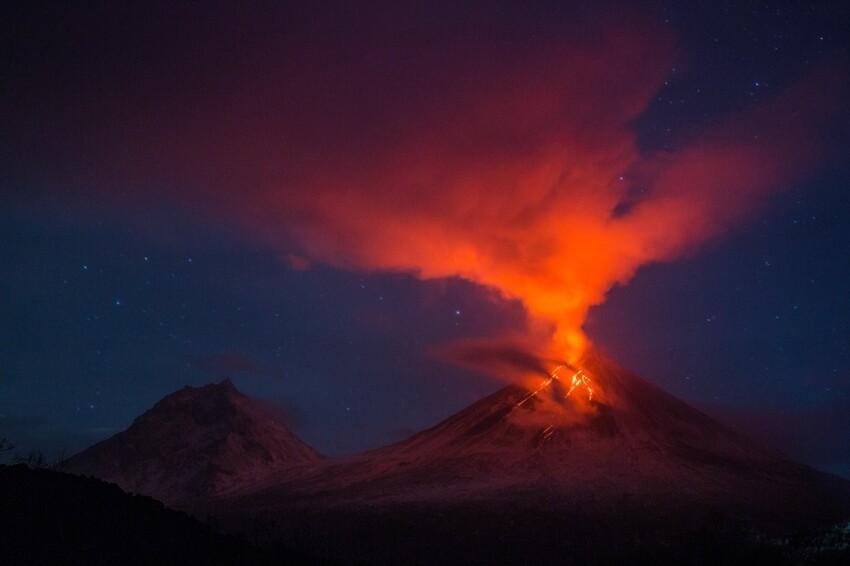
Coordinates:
column 579, row 379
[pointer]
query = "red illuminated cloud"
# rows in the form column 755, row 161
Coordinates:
column 506, row 175
column 445, row 143
column 517, row 179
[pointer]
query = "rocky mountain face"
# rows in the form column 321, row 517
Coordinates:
column 194, row 444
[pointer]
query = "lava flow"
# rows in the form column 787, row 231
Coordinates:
column 579, row 378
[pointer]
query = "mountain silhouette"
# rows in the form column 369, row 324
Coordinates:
column 596, row 463
column 630, row 439
column 536, row 473
column 193, row 444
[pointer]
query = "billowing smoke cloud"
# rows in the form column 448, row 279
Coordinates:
column 529, row 180
column 494, row 147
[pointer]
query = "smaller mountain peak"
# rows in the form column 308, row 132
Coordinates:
column 195, row 442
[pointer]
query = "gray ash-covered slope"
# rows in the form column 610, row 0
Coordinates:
column 193, row 444
column 631, row 442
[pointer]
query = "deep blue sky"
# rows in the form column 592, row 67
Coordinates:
column 118, row 287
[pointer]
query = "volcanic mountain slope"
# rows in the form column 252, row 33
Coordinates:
column 531, row 475
column 193, row 444
column 629, row 441
column 613, row 470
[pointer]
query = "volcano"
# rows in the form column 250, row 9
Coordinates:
column 529, row 473
column 194, row 444
column 521, row 443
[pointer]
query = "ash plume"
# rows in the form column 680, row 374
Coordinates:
column 390, row 140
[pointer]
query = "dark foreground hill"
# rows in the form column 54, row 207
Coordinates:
column 49, row 517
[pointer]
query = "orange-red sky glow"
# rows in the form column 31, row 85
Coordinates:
column 513, row 164
column 529, row 179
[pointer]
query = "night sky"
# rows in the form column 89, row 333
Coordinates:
column 317, row 200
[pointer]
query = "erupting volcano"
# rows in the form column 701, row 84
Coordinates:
column 413, row 228
column 531, row 465
column 621, row 435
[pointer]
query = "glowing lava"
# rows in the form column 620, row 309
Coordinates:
column 578, row 378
